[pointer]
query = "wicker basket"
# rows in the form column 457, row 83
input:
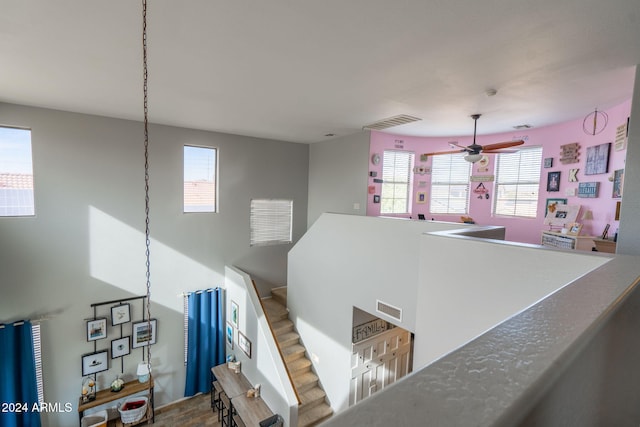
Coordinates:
column 133, row 415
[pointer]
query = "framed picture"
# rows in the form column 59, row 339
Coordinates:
column 588, row 189
column 617, row 218
column 230, row 335
column 120, row 347
column 421, row 197
column 618, row 179
column 574, row 228
column 120, row 314
column 142, row 335
column 234, row 313
column 95, row 362
column 597, row 159
column 244, row 344
column 552, row 204
column 376, row 198
column 96, row 329
column 562, row 215
column 548, row 162
column 553, row 181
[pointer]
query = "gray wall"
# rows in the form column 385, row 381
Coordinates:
column 629, row 234
column 86, row 243
column 338, row 176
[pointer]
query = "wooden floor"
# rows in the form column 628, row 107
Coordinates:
column 193, row 412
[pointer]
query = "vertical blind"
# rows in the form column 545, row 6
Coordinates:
column 37, row 354
column 271, row 221
column 518, row 183
column 396, row 186
column 450, row 184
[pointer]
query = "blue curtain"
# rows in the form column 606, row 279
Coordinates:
column 18, row 376
column 206, row 346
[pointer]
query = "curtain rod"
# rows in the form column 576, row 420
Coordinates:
column 186, row 294
column 21, row 322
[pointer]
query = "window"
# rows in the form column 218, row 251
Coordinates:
column 396, row 182
column 271, row 222
column 518, row 183
column 16, row 173
column 450, row 184
column 200, row 179
column 37, row 354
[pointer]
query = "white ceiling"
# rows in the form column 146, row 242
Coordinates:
column 296, row 70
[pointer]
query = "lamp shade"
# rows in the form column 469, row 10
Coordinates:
column 588, row 215
column 473, row 157
column 143, row 372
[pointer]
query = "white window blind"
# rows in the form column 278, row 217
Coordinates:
column 200, row 176
column 271, row 221
column 16, row 173
column 185, row 325
column 37, row 354
column 396, row 182
column 518, row 183
column 450, row 184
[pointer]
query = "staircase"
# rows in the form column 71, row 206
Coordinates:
column 313, row 407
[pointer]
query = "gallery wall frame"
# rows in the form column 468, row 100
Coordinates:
column 120, row 347
column 96, row 329
column 244, row 344
column 597, row 159
column 120, row 314
column 93, row 363
column 553, row 181
column 141, row 335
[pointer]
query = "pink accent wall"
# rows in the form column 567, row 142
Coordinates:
column 550, row 138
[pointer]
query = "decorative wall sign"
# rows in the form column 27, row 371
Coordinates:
column 618, row 180
column 482, row 178
column 367, row 330
column 573, row 175
column 588, row 189
column 553, row 181
column 421, row 197
column 621, row 137
column 569, row 153
column 562, row 215
column 597, row 159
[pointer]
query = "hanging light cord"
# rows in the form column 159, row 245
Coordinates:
column 146, row 173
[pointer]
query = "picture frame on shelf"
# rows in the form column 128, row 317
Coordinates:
column 574, row 229
column 141, row 335
column 120, row 347
column 229, row 335
column 93, row 363
column 97, row 329
column 120, row 314
column 421, row 197
column 244, row 344
column 553, row 181
column 235, row 314
column 597, row 159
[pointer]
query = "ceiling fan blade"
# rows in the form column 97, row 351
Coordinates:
column 462, row 147
column 498, row 151
column 444, row 152
column 499, row 145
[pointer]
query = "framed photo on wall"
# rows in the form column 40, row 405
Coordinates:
column 142, row 335
column 120, row 347
column 120, row 314
column 552, row 204
column 95, row 362
column 597, row 159
column 234, row 314
column 96, row 329
column 244, row 344
column 553, row 181
column 229, row 335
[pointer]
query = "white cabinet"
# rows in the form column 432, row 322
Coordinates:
column 567, row 241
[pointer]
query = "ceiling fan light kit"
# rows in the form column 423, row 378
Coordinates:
column 474, row 150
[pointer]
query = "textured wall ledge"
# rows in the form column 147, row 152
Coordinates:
column 502, row 377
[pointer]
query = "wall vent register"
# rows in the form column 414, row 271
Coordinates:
column 389, row 310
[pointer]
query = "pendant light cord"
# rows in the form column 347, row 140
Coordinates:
column 146, row 175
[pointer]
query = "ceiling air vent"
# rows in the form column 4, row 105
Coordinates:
column 389, row 310
column 402, row 119
column 522, row 127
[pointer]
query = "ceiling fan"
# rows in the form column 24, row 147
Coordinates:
column 475, row 150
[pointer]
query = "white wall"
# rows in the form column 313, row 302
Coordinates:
column 86, row 242
column 347, row 261
column 338, row 176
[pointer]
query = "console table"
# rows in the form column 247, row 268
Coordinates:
column 251, row 410
column 130, row 388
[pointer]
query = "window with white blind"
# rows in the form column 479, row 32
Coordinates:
column 200, row 178
column 271, row 222
column 16, row 173
column 450, row 184
column 518, row 183
column 396, row 182
column 37, row 355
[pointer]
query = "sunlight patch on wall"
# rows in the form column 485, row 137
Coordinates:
column 117, row 257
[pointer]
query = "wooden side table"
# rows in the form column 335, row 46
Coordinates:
column 106, row 396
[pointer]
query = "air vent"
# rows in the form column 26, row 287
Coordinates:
column 402, row 119
column 522, row 127
column 389, row 310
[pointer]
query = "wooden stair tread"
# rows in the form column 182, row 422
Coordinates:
column 282, row 326
column 305, row 379
column 310, row 396
column 315, row 415
column 293, row 352
column 299, row 364
column 287, row 339
column 280, row 294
